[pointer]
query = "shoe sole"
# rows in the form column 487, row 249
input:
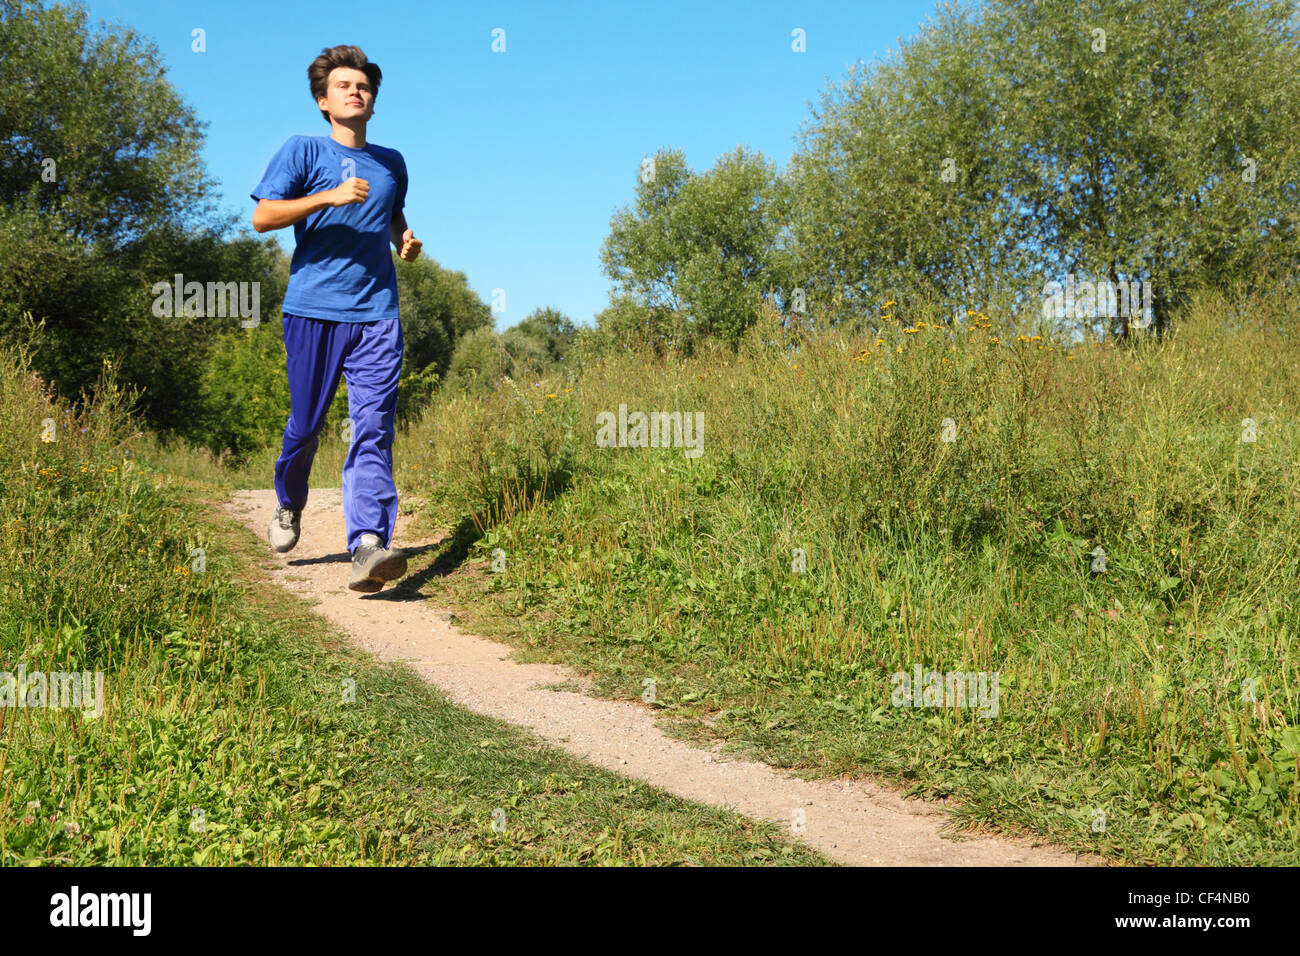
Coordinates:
column 388, row 569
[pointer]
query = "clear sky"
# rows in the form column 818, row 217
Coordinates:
column 517, row 160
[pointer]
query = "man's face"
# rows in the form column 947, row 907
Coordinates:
column 348, row 95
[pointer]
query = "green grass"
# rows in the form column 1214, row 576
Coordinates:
column 1120, row 691
column 238, row 728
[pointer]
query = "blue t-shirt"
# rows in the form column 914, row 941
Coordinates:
column 342, row 268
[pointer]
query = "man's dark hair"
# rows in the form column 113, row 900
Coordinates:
column 318, row 74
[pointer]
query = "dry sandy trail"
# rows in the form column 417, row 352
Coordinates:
column 856, row 822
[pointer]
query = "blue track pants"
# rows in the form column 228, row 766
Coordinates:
column 369, row 356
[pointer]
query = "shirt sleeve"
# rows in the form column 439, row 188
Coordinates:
column 399, row 201
column 286, row 176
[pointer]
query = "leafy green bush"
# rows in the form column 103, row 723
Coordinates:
column 626, row 325
column 480, row 359
column 553, row 329
column 245, row 390
column 527, row 352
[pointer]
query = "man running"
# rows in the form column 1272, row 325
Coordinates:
column 344, row 198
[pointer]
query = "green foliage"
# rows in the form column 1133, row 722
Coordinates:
column 245, row 389
column 245, row 392
column 83, row 241
column 553, row 329
column 415, row 390
column 707, row 245
column 1013, row 144
column 479, row 360
column 1121, row 690
column 531, row 348
column 527, row 353
column 224, row 735
column 628, row 325
column 66, row 85
column 438, row 310
column 898, row 184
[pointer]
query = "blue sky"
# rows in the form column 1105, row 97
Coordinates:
column 518, row 160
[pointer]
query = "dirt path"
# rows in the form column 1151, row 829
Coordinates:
column 856, row 822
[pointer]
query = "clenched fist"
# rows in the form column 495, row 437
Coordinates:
column 352, row 190
column 410, row 247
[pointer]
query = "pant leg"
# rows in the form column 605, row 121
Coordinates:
column 314, row 350
column 372, row 368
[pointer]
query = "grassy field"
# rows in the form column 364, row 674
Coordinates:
column 1110, row 530
column 238, row 728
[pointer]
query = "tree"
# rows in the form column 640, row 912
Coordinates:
column 1155, row 139
column 706, row 244
column 625, row 324
column 438, row 310
column 552, row 328
column 123, row 144
column 480, row 359
column 527, row 354
column 1018, row 143
column 899, row 197
column 102, row 195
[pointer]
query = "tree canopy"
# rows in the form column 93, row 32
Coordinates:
column 1021, row 141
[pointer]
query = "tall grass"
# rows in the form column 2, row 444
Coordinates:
column 1105, row 530
column 234, row 726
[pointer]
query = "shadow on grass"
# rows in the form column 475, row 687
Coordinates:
column 342, row 557
column 456, row 546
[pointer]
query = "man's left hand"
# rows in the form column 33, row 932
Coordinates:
column 410, row 247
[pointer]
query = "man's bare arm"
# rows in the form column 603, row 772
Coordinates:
column 278, row 213
column 400, row 235
column 396, row 228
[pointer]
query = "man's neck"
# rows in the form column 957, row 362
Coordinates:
column 353, row 136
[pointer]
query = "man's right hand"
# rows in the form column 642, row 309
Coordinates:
column 352, row 190
column 278, row 213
